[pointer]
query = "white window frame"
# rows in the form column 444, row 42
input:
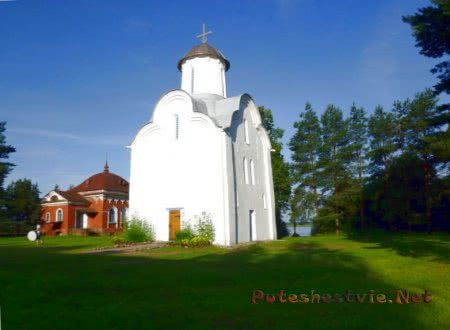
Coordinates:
column 245, row 170
column 253, row 234
column 62, row 215
column 177, row 126
column 247, row 140
column 252, row 172
column 48, row 217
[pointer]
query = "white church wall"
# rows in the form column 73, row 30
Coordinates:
column 251, row 196
column 185, row 173
column 202, row 75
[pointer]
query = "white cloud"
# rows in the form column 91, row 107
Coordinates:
column 116, row 140
column 44, row 133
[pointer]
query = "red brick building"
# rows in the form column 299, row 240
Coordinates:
column 97, row 205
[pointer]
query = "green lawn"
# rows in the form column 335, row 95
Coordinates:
column 55, row 287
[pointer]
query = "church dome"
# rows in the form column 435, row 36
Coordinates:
column 103, row 181
column 204, row 50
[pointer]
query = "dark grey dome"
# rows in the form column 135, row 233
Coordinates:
column 204, row 50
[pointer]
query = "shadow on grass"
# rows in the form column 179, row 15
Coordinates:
column 435, row 245
column 47, row 288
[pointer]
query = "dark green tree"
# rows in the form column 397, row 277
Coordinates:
column 418, row 121
column 280, row 169
column 302, row 208
column 334, row 161
column 5, row 167
column 398, row 203
column 383, row 136
column 22, row 201
column 5, row 150
column 357, row 132
column 305, row 146
column 431, row 29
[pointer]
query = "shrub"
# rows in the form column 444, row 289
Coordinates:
column 185, row 242
column 184, row 234
column 119, row 240
column 138, row 230
column 204, row 227
column 199, row 241
column 11, row 228
column 202, row 235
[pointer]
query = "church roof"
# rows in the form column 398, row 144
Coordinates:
column 204, row 50
column 102, row 181
column 219, row 109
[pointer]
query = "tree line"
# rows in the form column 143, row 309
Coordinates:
column 389, row 169
column 19, row 201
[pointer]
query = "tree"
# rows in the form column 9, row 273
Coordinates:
column 334, row 159
column 382, row 131
column 5, row 167
column 22, row 201
column 280, row 169
column 419, row 119
column 431, row 29
column 5, row 150
column 357, row 125
column 305, row 145
column 400, row 202
column 302, row 208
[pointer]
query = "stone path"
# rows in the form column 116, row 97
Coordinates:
column 127, row 248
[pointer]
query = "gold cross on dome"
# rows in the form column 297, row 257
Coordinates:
column 204, row 34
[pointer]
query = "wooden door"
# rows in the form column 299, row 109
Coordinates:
column 174, row 223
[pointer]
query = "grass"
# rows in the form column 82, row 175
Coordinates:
column 53, row 286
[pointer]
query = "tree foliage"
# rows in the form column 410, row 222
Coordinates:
column 5, row 150
column 431, row 29
column 305, row 157
column 389, row 170
column 22, row 201
column 334, row 160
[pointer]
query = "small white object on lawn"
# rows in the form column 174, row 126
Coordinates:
column 32, row 235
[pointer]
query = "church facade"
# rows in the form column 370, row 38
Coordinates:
column 204, row 153
column 98, row 205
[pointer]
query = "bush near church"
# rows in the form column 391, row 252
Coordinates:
column 201, row 235
column 135, row 230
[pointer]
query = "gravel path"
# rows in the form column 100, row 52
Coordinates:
column 127, row 248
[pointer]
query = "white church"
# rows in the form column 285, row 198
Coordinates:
column 204, row 152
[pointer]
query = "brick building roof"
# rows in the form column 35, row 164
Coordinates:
column 73, row 197
column 102, row 181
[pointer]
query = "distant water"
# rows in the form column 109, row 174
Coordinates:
column 302, row 231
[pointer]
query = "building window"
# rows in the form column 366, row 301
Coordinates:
column 252, row 221
column 59, row 215
column 247, row 140
column 177, row 127
column 124, row 213
column 47, row 217
column 264, row 201
column 252, row 172
column 245, row 170
column 112, row 215
column 123, row 216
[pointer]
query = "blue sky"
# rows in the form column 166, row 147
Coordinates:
column 78, row 78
